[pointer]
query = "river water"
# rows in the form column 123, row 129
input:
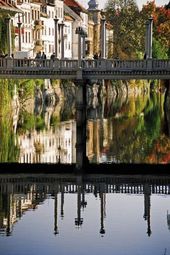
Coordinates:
column 120, row 128
column 99, row 215
column 71, row 214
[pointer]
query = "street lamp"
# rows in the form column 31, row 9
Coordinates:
column 8, row 23
column 56, row 35
column 19, row 32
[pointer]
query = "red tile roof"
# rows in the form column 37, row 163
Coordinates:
column 4, row 5
column 73, row 4
column 68, row 18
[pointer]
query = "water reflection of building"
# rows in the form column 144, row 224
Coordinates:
column 49, row 146
column 19, row 194
column 100, row 135
column 14, row 205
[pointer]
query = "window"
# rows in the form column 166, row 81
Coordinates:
column 69, row 45
column 26, row 37
column 29, row 37
column 28, row 18
column 33, row 14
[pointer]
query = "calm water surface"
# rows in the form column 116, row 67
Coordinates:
column 120, row 128
column 99, row 216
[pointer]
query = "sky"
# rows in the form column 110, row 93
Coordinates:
column 139, row 2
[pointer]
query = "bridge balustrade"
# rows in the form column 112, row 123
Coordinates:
column 73, row 69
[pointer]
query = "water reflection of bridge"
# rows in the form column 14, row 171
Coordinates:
column 89, row 183
column 19, row 193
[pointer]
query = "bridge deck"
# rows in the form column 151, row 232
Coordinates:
column 88, row 69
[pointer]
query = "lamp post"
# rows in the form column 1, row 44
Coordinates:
column 8, row 23
column 80, row 32
column 84, row 35
column 62, row 39
column 150, row 37
column 56, row 35
column 103, row 36
column 19, row 32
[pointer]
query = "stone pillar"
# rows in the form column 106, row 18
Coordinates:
column 62, row 39
column 81, row 158
column 103, row 37
column 19, row 34
column 79, row 33
column 8, row 23
column 56, row 36
column 150, row 37
column 84, row 45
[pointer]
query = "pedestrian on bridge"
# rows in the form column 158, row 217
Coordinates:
column 43, row 57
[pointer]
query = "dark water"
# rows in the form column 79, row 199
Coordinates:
column 84, row 215
column 120, row 127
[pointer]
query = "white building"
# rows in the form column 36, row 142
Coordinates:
column 26, row 28
column 80, row 19
column 68, row 37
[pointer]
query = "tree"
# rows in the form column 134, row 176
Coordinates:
column 124, row 17
column 161, row 25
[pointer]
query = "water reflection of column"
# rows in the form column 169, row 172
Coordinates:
column 80, row 124
column 9, row 214
column 62, row 204
column 147, row 205
column 102, row 206
column 56, row 214
column 78, row 220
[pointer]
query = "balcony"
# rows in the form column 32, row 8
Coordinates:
column 43, row 11
column 38, row 42
column 51, row 2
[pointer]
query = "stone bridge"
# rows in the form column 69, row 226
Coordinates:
column 85, row 69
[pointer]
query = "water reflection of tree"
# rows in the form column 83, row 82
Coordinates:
column 133, row 138
column 8, row 148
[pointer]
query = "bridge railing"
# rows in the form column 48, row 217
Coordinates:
column 86, row 65
column 115, row 64
column 36, row 64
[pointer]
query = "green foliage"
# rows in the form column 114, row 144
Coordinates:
column 159, row 51
column 26, row 122
column 39, row 123
column 124, row 17
column 129, row 28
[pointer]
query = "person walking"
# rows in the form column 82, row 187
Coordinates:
column 43, row 57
